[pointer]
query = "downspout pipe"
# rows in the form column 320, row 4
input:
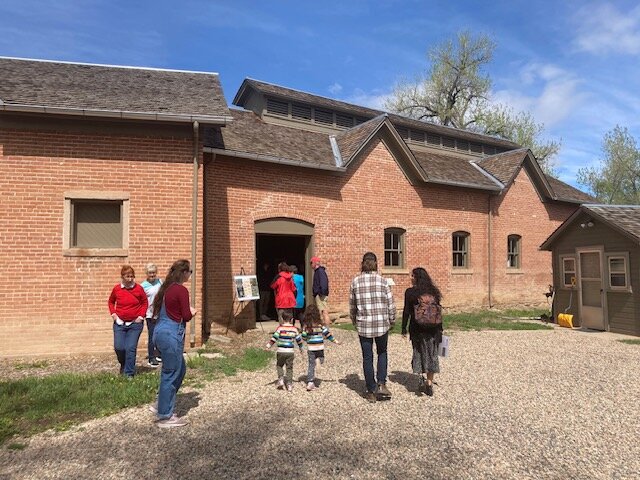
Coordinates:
column 489, row 258
column 194, row 226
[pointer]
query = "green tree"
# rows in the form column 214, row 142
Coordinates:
column 456, row 92
column 617, row 179
column 521, row 128
column 454, row 87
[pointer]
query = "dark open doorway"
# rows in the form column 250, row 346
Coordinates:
column 273, row 249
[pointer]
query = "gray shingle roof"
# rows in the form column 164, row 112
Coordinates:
column 504, row 166
column 248, row 134
column 454, row 170
column 364, row 112
column 567, row 193
column 624, row 217
column 350, row 141
column 59, row 85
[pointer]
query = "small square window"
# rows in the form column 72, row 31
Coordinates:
column 618, row 272
column 394, row 247
column 460, row 250
column 96, row 224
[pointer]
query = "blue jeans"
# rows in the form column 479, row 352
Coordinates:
column 125, row 343
column 168, row 337
column 367, row 360
column 151, row 347
column 313, row 355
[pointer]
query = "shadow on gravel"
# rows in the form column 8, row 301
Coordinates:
column 186, row 401
column 353, row 382
column 407, row 380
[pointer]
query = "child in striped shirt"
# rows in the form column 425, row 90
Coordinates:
column 314, row 333
column 286, row 336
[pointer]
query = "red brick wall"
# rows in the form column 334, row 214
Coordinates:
column 520, row 211
column 350, row 212
column 52, row 304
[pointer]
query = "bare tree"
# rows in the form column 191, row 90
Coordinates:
column 456, row 92
column 453, row 89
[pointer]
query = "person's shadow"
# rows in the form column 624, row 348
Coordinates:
column 407, row 380
column 187, row 401
column 353, row 382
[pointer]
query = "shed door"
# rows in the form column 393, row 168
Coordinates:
column 591, row 289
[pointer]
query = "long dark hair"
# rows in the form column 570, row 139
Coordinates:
column 175, row 275
column 312, row 317
column 424, row 284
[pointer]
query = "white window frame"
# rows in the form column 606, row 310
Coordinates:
column 564, row 272
column 67, row 228
column 401, row 233
column 517, row 254
column 627, row 271
column 466, row 251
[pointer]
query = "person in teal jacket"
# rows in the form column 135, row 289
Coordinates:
column 298, row 280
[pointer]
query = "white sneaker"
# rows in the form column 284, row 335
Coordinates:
column 280, row 384
column 311, row 386
column 290, row 387
column 154, row 408
column 174, row 421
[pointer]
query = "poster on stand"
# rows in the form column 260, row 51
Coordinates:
column 246, row 287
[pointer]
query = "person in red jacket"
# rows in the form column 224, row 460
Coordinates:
column 128, row 307
column 285, row 290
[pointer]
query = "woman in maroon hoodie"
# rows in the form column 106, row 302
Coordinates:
column 285, row 290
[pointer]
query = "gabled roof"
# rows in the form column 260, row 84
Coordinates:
column 111, row 91
column 351, row 142
column 270, row 89
column 623, row 218
column 249, row 137
column 567, row 193
column 506, row 166
column 450, row 170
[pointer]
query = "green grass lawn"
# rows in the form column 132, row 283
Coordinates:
column 481, row 320
column 34, row 404
column 630, row 341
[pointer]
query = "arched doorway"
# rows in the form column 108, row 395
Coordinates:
column 284, row 240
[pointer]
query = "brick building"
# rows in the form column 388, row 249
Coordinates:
column 285, row 176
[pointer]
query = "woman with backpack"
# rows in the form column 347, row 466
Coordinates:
column 423, row 313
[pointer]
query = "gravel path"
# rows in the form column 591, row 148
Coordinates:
column 518, row 404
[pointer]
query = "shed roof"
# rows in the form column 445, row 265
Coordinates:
column 111, row 91
column 623, row 218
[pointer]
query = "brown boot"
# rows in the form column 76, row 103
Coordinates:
column 383, row 391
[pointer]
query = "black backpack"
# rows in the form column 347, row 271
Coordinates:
column 427, row 312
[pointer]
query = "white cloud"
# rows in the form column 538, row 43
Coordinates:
column 547, row 91
column 335, row 89
column 374, row 99
column 604, row 28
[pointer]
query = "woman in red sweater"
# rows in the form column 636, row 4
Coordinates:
column 171, row 306
column 285, row 291
column 127, row 306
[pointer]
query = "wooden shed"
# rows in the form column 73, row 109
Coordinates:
column 596, row 267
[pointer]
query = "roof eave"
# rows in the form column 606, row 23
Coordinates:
column 452, row 183
column 271, row 159
column 121, row 114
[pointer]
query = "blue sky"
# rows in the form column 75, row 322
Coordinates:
column 575, row 65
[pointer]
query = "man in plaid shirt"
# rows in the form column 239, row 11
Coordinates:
column 373, row 313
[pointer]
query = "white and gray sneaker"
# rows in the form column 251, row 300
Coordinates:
column 174, row 421
column 154, row 408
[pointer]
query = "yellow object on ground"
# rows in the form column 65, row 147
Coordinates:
column 565, row 320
